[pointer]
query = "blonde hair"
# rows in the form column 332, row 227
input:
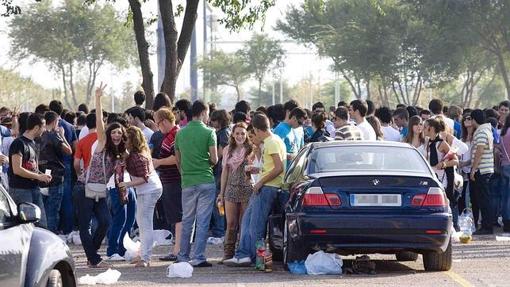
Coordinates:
column 165, row 114
column 136, row 139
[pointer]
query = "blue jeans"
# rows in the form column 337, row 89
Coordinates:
column 254, row 222
column 197, row 205
column 505, row 196
column 87, row 207
column 123, row 217
column 67, row 208
column 52, row 204
column 34, row 196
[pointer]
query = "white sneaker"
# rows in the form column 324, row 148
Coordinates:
column 116, row 257
column 238, row 262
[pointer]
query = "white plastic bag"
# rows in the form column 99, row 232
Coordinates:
column 321, row 263
column 107, row 278
column 181, row 270
column 132, row 248
column 160, row 236
column 466, row 222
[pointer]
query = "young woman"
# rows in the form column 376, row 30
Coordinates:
column 505, row 173
column 415, row 135
column 170, row 178
column 318, row 126
column 465, row 164
column 442, row 160
column 376, row 125
column 109, row 150
column 148, row 189
column 236, row 186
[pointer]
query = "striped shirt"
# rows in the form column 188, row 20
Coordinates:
column 483, row 137
column 348, row 133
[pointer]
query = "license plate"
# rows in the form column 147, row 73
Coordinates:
column 376, row 200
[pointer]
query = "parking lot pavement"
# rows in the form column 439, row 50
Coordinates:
column 483, row 262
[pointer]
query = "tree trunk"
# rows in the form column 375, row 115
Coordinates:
column 504, row 72
column 260, row 87
column 143, row 52
column 368, row 89
column 71, row 86
column 170, row 35
column 64, row 84
column 238, row 90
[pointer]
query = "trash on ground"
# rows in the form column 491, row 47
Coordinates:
column 160, row 237
column 180, row 270
column 297, row 267
column 503, row 238
column 215, row 240
column 108, row 277
column 362, row 265
column 132, row 248
column 321, row 263
column 466, row 222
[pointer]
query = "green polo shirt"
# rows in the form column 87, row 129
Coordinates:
column 193, row 142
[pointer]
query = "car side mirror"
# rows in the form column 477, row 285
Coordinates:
column 28, row 212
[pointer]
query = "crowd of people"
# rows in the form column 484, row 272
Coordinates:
column 218, row 173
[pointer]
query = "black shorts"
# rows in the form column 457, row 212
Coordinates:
column 171, row 199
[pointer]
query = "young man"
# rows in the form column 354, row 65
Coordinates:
column 183, row 112
column 24, row 175
column 139, row 98
column 52, row 148
column 503, row 110
column 253, row 226
column 425, row 115
column 67, row 208
column 83, row 152
column 196, row 154
column 358, row 110
column 455, row 113
column 136, row 117
column 344, row 130
column 291, row 132
column 401, row 120
column 389, row 133
column 436, row 107
column 482, row 169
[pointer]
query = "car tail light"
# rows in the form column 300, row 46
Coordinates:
column 315, row 197
column 435, row 197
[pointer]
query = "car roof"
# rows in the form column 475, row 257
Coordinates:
column 340, row 143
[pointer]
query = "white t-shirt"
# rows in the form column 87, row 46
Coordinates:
column 367, row 131
column 147, row 133
column 330, row 128
column 391, row 134
column 83, row 132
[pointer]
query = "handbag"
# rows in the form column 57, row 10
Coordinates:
column 122, row 191
column 96, row 191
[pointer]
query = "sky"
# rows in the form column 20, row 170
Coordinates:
column 300, row 61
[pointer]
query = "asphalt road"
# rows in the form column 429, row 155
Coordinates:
column 483, row 262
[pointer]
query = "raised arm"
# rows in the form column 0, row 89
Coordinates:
column 101, row 136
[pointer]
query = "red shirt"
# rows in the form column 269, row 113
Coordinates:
column 84, row 149
column 169, row 173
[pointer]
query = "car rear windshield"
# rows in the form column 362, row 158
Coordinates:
column 366, row 158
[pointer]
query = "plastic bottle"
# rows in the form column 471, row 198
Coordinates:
column 221, row 208
column 268, row 260
column 259, row 261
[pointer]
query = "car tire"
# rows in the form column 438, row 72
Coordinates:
column 438, row 261
column 406, row 256
column 292, row 250
column 55, row 279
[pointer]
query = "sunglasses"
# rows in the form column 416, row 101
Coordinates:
column 468, row 118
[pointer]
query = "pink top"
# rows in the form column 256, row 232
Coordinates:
column 235, row 159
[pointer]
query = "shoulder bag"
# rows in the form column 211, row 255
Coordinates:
column 96, row 191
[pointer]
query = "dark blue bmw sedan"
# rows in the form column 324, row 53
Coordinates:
column 361, row 198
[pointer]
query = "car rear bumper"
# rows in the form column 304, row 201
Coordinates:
column 369, row 233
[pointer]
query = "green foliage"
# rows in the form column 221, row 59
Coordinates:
column 225, row 69
column 21, row 92
column 242, row 13
column 75, row 40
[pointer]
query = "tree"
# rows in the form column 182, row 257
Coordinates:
column 262, row 54
column 72, row 39
column 18, row 91
column 227, row 69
